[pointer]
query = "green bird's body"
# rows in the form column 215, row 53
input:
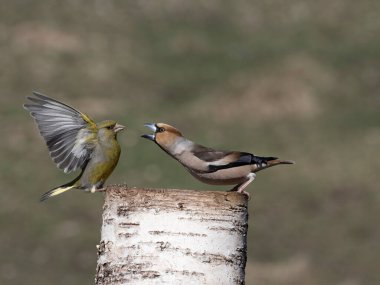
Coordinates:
column 76, row 141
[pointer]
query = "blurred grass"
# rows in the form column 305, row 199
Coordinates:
column 297, row 79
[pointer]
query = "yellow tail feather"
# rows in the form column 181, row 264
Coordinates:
column 55, row 192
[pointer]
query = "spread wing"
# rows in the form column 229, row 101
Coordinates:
column 69, row 134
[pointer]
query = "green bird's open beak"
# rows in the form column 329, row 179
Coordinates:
column 153, row 127
column 117, row 128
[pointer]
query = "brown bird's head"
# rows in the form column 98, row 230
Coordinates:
column 164, row 134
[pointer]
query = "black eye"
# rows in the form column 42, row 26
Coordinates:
column 160, row 130
column 110, row 127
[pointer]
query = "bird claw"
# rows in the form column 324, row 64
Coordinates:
column 94, row 190
column 246, row 193
column 236, row 189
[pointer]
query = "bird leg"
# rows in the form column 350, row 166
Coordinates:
column 93, row 189
column 235, row 188
column 240, row 187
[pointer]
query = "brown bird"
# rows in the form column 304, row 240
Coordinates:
column 211, row 166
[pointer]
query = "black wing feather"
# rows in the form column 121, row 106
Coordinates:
column 244, row 159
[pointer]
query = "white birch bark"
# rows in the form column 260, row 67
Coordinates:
column 161, row 236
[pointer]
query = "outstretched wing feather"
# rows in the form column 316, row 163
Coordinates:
column 69, row 134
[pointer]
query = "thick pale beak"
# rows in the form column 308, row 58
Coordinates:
column 153, row 128
column 117, row 128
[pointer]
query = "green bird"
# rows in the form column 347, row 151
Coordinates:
column 75, row 141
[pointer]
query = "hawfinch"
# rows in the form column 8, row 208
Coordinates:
column 209, row 165
column 75, row 141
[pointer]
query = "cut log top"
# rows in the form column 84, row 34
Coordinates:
column 177, row 199
column 172, row 236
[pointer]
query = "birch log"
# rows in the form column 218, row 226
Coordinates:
column 168, row 236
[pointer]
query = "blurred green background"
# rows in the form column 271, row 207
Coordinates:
column 296, row 79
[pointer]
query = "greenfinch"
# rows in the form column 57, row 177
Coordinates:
column 75, row 141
